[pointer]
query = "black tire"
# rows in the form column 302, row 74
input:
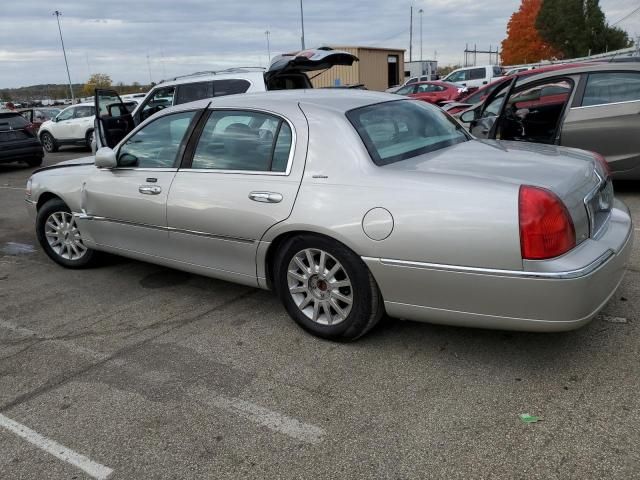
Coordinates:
column 88, row 138
column 34, row 162
column 57, row 206
column 366, row 308
column 48, row 142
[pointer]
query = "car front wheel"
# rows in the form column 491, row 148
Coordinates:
column 60, row 237
column 326, row 288
column 48, row 142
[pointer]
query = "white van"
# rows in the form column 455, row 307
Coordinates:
column 471, row 77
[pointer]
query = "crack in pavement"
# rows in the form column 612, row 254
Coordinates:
column 64, row 378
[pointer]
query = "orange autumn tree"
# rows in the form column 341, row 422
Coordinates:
column 523, row 43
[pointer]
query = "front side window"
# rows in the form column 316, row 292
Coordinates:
column 460, row 76
column 160, row 98
column 157, row 144
column 66, row 114
column 237, row 140
column 190, row 92
column 611, row 87
column 397, row 130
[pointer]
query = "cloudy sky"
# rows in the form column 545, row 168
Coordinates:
column 135, row 40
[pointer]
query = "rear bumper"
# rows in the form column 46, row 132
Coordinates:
column 554, row 295
column 15, row 154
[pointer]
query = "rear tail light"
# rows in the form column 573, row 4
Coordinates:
column 31, row 128
column 603, row 163
column 546, row 228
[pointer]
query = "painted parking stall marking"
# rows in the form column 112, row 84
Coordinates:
column 91, row 468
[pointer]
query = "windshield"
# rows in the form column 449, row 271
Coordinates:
column 397, row 130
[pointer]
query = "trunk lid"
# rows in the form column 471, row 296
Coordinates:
column 575, row 176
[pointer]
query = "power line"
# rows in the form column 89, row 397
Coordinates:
column 637, row 9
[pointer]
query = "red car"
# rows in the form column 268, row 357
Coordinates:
column 482, row 93
column 433, row 92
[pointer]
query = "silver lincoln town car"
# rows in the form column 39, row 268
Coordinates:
column 348, row 204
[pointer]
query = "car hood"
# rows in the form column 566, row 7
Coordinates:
column 308, row 61
column 565, row 171
column 46, row 123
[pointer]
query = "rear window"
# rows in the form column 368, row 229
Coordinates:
column 230, row 87
column 12, row 121
column 398, row 130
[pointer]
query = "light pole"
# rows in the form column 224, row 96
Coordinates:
column 57, row 13
column 267, row 33
column 302, row 23
column 421, row 11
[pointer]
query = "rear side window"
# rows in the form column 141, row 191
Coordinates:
column 12, row 121
column 398, row 130
column 611, row 87
column 477, row 73
column 83, row 112
column 249, row 141
column 230, row 87
column 190, row 92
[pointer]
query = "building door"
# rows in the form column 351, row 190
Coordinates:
column 392, row 69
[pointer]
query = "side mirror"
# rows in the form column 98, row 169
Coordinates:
column 468, row 116
column 106, row 158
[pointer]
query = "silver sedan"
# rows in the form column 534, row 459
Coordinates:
column 347, row 204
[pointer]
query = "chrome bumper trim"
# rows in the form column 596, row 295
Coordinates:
column 30, row 202
column 580, row 272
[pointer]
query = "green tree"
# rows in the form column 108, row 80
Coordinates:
column 96, row 80
column 578, row 27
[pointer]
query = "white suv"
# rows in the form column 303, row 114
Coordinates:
column 285, row 72
column 474, row 77
column 72, row 126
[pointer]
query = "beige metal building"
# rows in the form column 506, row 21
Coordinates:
column 378, row 69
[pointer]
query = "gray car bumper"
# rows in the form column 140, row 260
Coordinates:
column 554, row 295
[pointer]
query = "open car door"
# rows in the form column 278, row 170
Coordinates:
column 113, row 119
column 487, row 115
column 298, row 63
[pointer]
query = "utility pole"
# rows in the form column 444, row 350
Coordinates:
column 267, row 33
column 411, row 34
column 149, row 67
column 302, row 23
column 57, row 13
column 420, row 12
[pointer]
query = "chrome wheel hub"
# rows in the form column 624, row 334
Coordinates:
column 63, row 236
column 319, row 286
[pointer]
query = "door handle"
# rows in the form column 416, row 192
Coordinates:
column 149, row 189
column 265, row 197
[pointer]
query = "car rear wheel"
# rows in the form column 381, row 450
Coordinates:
column 88, row 138
column 48, row 142
column 326, row 288
column 60, row 237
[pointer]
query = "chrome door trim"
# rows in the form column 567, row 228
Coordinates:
column 569, row 274
column 95, row 218
column 266, row 197
column 605, row 104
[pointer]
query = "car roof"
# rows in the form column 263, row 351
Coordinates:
column 337, row 100
column 594, row 68
column 84, row 104
column 252, row 74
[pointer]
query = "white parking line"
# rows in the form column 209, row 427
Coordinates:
column 91, row 468
column 272, row 420
column 12, row 188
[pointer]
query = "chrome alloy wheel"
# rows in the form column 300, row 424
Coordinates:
column 63, row 236
column 319, row 286
column 47, row 142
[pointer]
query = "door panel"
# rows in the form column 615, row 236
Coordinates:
column 127, row 218
column 114, row 121
column 611, row 130
column 216, row 213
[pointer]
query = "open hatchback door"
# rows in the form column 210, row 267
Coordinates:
column 113, row 119
column 288, row 70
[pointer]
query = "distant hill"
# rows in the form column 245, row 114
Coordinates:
column 57, row 92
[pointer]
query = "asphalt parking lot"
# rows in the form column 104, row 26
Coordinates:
column 134, row 371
